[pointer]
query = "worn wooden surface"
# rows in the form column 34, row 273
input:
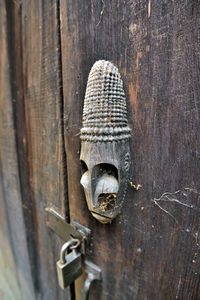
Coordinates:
column 33, row 169
column 151, row 251
column 13, row 243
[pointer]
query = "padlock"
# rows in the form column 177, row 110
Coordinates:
column 69, row 267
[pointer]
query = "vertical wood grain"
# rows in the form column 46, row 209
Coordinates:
column 14, row 245
column 151, row 251
column 42, row 86
column 32, row 117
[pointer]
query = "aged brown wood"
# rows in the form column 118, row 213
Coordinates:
column 33, row 166
column 15, row 264
column 151, row 251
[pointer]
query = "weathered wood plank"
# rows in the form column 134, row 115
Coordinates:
column 42, row 140
column 152, row 250
column 32, row 153
column 14, row 249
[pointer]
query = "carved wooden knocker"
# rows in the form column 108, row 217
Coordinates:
column 105, row 150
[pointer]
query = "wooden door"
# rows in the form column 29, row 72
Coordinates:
column 33, row 164
column 151, row 250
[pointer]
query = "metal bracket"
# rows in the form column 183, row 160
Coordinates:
column 94, row 273
column 67, row 231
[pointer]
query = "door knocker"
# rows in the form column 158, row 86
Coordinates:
column 105, row 150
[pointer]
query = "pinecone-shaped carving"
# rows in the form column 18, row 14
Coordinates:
column 104, row 111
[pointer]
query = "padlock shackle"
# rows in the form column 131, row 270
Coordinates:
column 65, row 247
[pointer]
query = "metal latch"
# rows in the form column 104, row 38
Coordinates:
column 68, row 231
column 94, row 273
column 77, row 238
